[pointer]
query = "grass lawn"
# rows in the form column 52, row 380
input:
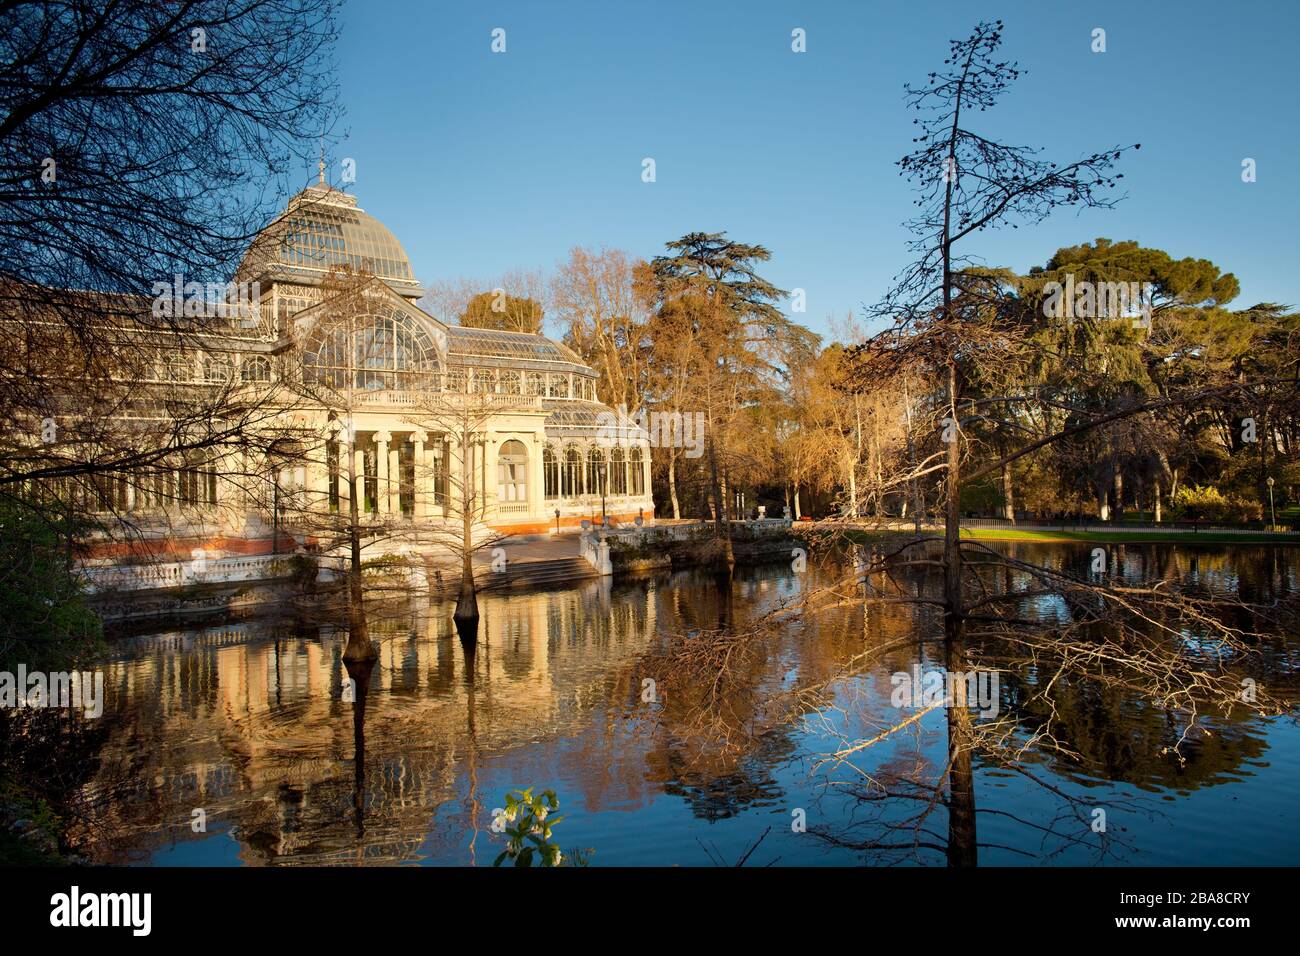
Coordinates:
column 1130, row 537
column 1102, row 537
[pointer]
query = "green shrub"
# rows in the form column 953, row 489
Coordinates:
column 44, row 620
column 1197, row 503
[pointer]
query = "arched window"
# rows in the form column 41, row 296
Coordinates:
column 216, row 370
column 637, row 470
column 550, row 472
column 255, row 368
column 618, row 472
column 512, row 472
column 484, row 382
column 572, row 483
column 510, row 383
column 388, row 350
column 596, row 475
column 179, row 367
column 536, row 383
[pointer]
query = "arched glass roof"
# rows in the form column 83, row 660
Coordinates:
column 585, row 419
column 384, row 350
column 515, row 349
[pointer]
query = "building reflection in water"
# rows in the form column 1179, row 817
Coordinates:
column 256, row 727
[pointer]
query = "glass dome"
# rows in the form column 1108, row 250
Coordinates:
column 322, row 228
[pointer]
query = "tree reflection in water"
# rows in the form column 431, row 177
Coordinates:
column 1089, row 668
column 752, row 691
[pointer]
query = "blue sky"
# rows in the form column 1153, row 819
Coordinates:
column 482, row 162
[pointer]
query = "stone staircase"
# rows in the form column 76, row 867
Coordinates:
column 535, row 573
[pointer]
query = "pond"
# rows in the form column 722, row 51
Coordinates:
column 242, row 743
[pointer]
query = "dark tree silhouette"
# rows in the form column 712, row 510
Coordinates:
column 957, row 324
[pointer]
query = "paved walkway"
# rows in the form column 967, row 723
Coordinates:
column 520, row 550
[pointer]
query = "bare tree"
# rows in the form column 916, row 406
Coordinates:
column 131, row 132
column 516, row 301
column 129, row 137
column 605, row 320
column 143, row 146
column 952, row 325
column 460, row 418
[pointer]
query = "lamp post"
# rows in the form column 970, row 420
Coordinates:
column 557, row 520
column 1271, row 511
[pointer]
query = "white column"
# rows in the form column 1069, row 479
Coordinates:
column 343, row 453
column 536, row 477
column 395, row 479
column 487, row 489
column 434, row 454
column 359, row 463
column 475, row 452
column 421, row 475
column 381, row 470
column 334, row 433
column 490, row 473
column 645, row 471
column 455, row 493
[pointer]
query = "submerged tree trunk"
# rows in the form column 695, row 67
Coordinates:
column 914, row 488
column 962, row 847
column 359, row 646
column 961, row 792
column 722, row 523
column 466, row 613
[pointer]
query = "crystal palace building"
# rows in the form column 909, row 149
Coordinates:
column 386, row 392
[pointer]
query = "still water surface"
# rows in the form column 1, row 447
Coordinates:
column 249, row 722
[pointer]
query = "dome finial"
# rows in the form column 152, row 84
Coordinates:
column 322, row 161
